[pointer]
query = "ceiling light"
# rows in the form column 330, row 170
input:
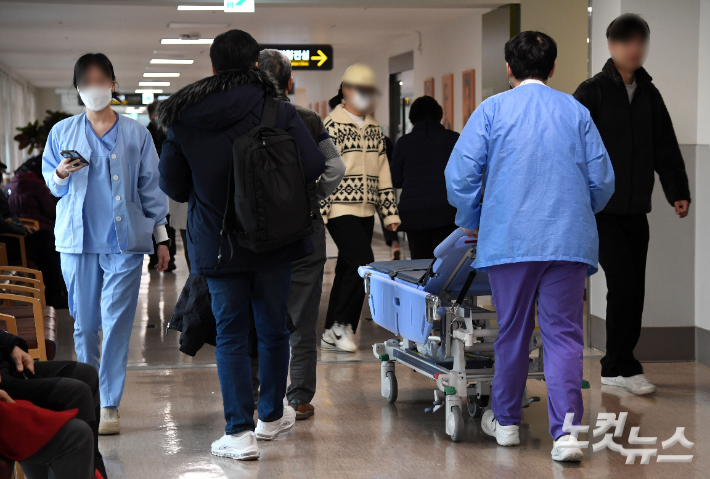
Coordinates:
column 148, row 90
column 201, row 7
column 161, row 75
column 168, row 61
column 180, row 41
column 154, row 83
column 196, row 26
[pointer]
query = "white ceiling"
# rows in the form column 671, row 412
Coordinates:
column 41, row 41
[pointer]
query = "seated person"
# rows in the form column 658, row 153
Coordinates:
column 29, row 197
column 55, row 385
column 39, row 248
column 50, row 444
column 546, row 174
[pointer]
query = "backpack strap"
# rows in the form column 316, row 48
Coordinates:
column 271, row 108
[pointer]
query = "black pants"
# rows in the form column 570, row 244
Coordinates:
column 353, row 236
column 422, row 243
column 68, row 455
column 60, row 386
column 623, row 246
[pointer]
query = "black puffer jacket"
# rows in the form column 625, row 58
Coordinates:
column 193, row 316
column 639, row 137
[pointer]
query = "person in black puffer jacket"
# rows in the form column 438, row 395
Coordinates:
column 638, row 133
column 418, row 164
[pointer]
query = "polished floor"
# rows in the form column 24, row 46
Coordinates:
column 171, row 412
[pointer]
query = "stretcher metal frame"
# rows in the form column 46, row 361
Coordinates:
column 461, row 359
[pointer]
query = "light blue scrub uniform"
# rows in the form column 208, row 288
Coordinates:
column 103, row 278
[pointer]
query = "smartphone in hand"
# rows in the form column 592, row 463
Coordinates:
column 74, row 155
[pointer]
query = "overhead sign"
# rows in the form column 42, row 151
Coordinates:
column 239, row 6
column 135, row 99
column 306, row 56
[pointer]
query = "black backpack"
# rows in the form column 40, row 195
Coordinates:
column 268, row 204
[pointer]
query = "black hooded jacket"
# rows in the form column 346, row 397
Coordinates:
column 203, row 120
column 639, row 137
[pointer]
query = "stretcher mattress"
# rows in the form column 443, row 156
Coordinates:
column 399, row 289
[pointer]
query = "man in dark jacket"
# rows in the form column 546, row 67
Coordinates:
column 53, row 385
column 203, row 120
column 417, row 167
column 638, row 134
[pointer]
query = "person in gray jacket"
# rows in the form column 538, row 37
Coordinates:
column 306, row 273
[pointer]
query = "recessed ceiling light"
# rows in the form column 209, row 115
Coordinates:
column 195, row 26
column 153, row 83
column 168, row 61
column 161, row 75
column 148, row 90
column 201, row 7
column 180, row 41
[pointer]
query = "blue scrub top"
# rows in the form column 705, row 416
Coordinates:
column 99, row 230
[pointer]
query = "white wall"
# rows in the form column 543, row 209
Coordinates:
column 451, row 48
column 702, row 180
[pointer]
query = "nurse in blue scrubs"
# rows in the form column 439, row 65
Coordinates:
column 109, row 211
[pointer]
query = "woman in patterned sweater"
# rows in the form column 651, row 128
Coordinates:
column 350, row 211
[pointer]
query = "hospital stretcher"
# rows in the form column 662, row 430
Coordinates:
column 411, row 298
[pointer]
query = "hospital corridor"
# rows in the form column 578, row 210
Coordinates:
column 380, row 239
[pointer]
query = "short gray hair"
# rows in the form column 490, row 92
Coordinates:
column 277, row 65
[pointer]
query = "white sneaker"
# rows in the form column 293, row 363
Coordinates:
column 266, row 431
column 109, row 422
column 339, row 338
column 505, row 435
column 638, row 384
column 566, row 449
column 240, row 446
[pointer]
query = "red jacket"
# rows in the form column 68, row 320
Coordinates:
column 25, row 428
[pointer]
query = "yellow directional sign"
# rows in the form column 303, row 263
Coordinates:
column 306, row 56
column 321, row 58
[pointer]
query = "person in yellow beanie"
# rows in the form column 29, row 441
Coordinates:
column 350, row 211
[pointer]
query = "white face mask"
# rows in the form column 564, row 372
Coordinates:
column 361, row 101
column 95, row 98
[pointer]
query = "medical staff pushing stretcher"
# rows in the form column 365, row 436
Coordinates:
column 546, row 174
column 104, row 168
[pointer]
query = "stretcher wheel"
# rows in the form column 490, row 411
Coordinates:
column 476, row 405
column 391, row 387
column 457, row 418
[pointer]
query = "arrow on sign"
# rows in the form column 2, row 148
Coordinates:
column 321, row 58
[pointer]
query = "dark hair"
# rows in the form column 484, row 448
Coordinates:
column 425, row 108
column 337, row 99
column 531, row 55
column 88, row 60
column 153, row 107
column 234, row 50
column 626, row 26
column 277, row 65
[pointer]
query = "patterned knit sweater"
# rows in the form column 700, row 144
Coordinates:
column 367, row 183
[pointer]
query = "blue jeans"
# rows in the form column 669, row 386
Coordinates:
column 267, row 291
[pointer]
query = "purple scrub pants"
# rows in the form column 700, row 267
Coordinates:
column 558, row 288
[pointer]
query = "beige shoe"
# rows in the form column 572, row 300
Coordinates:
column 109, row 423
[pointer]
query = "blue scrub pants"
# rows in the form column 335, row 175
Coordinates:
column 103, row 294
